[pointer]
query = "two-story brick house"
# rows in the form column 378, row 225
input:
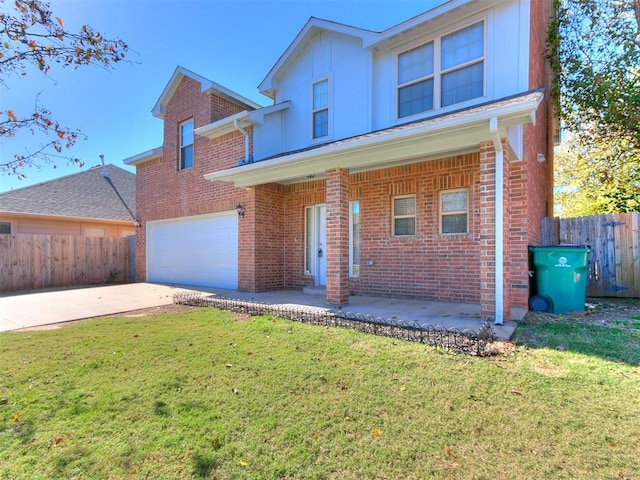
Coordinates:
column 413, row 163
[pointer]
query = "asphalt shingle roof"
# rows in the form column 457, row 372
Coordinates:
column 85, row 194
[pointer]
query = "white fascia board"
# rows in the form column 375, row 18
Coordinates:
column 257, row 116
column 435, row 137
column 144, row 157
column 266, row 87
column 216, row 88
column 415, row 22
column 244, row 119
column 223, row 126
column 206, row 85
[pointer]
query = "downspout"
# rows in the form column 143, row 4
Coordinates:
column 499, row 220
column 246, row 139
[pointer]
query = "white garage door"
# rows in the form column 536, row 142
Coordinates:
column 200, row 250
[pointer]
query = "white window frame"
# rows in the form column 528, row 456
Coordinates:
column 309, row 240
column 455, row 212
column 438, row 72
column 415, row 81
column 315, row 110
column 181, row 146
column 354, row 269
column 395, row 217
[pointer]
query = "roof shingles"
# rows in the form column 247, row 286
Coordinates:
column 85, row 194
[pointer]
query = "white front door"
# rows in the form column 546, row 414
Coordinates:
column 321, row 245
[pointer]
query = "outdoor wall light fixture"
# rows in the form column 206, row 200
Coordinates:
column 137, row 223
column 240, row 210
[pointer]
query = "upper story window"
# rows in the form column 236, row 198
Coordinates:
column 320, row 111
column 463, row 65
column 186, row 144
column 445, row 71
column 415, row 80
column 5, row 227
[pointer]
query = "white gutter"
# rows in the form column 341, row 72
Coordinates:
column 246, row 139
column 143, row 157
column 469, row 123
column 499, row 221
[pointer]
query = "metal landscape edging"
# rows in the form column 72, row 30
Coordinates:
column 464, row 341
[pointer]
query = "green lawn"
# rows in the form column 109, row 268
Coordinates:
column 200, row 394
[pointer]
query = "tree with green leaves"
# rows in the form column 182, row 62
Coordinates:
column 32, row 38
column 596, row 178
column 594, row 52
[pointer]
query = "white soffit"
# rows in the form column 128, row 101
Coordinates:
column 144, row 157
column 243, row 119
column 418, row 141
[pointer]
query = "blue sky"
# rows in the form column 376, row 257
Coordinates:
column 232, row 42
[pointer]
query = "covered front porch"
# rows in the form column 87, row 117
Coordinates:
column 468, row 150
column 462, row 316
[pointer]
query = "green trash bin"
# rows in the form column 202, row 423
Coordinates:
column 561, row 273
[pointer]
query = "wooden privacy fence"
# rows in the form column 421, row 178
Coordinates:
column 614, row 270
column 30, row 262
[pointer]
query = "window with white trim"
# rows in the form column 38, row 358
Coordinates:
column 5, row 228
column 186, row 144
column 308, row 240
column 442, row 72
column 415, row 80
column 454, row 211
column 404, row 216
column 354, row 239
column 320, row 108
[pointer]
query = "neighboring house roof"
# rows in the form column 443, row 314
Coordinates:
column 456, row 132
column 206, row 85
column 87, row 194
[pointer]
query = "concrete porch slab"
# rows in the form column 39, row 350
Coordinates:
column 447, row 314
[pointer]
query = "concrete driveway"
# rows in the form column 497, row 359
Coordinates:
column 33, row 309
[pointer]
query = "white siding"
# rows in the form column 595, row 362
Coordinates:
column 362, row 82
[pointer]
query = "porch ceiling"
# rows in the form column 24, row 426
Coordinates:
column 436, row 137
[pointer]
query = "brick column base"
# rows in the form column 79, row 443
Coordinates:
column 338, row 236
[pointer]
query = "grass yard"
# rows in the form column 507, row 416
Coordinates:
column 204, row 394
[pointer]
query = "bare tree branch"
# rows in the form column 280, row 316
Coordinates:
column 32, row 37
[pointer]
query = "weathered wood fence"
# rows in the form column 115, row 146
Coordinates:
column 30, row 262
column 614, row 270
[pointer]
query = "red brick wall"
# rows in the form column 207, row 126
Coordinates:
column 262, row 240
column 532, row 181
column 163, row 191
column 486, row 243
column 426, row 266
column 297, row 197
column 338, row 236
column 538, row 138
